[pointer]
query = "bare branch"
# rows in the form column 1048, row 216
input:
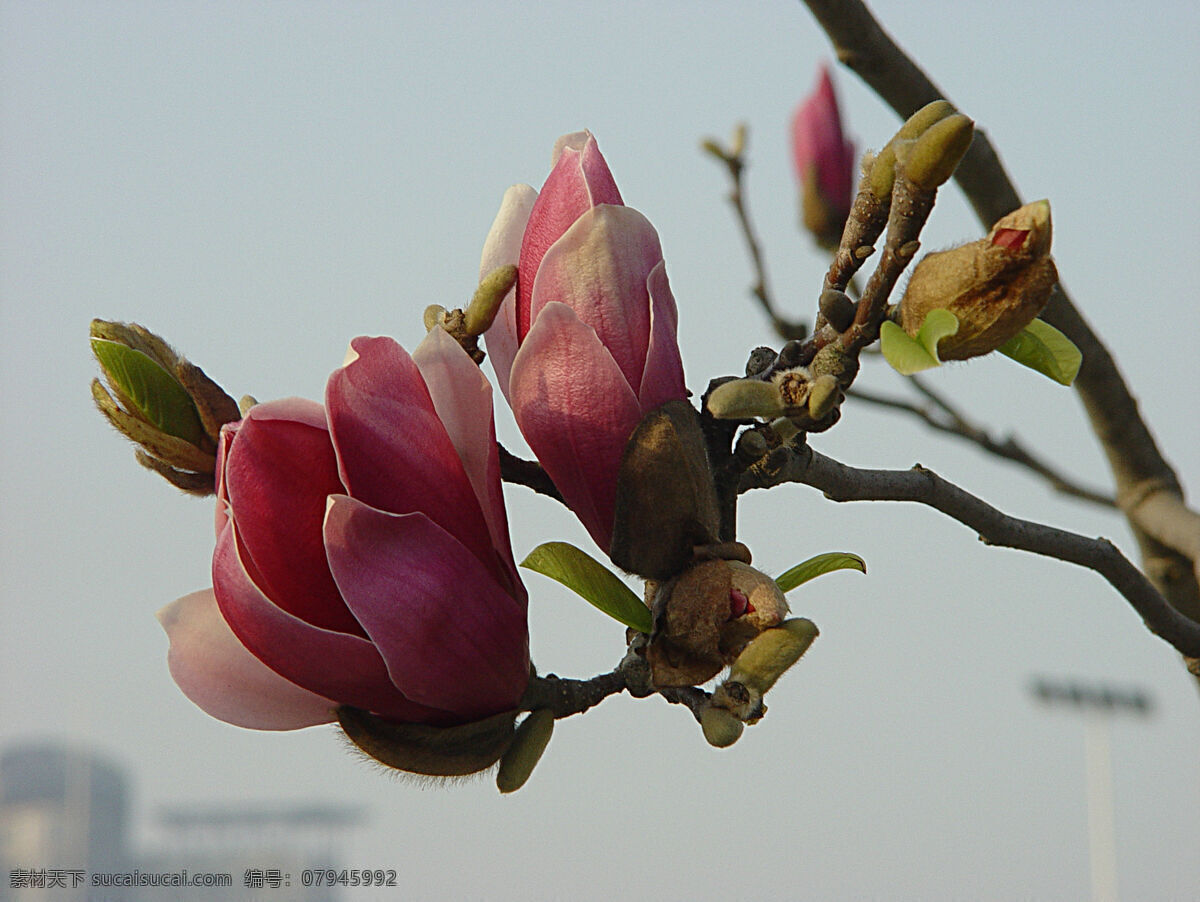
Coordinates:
column 953, row 422
column 735, row 163
column 840, row 482
column 1166, row 531
column 528, row 473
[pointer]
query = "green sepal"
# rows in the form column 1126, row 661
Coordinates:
column 155, row 393
column 1041, row 347
column 819, row 565
column 587, row 577
column 912, row 355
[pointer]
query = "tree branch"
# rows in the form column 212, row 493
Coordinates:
column 840, row 482
column 1166, row 531
column 953, row 422
column 735, row 163
column 528, row 473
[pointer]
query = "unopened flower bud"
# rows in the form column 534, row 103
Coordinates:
column 744, row 399
column 428, row 750
column 522, row 756
column 721, row 729
column 995, row 286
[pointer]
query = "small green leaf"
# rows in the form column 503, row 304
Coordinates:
column 589, row 578
column 158, row 396
column 821, row 564
column 1041, row 347
column 912, row 355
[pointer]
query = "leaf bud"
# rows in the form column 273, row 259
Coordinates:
column 161, row 402
column 744, row 399
column 528, row 744
column 824, row 395
column 837, row 308
column 880, row 174
column 433, row 316
column 487, row 299
column 721, row 729
column 771, row 653
column 935, row 155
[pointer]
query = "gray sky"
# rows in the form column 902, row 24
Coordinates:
column 262, row 182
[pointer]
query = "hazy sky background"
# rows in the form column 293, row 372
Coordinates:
column 260, row 182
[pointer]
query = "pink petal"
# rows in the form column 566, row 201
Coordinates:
column 599, row 269
column 579, row 181
column 393, row 451
column 503, row 245
column 576, row 411
column 818, row 143
column 462, row 399
column 216, row 672
column 279, row 469
column 662, row 380
column 451, row 636
column 336, row 665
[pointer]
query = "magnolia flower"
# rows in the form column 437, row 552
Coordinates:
column 362, row 555
column 824, row 161
column 585, row 345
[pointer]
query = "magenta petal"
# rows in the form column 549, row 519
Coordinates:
column 345, row 668
column 503, row 246
column 393, row 451
column 818, row 144
column 279, row 469
column 452, row 638
column 462, row 399
column 599, row 269
column 579, row 181
column 216, row 672
column 662, row 380
column 576, row 411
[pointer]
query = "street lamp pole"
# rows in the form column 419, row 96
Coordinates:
column 1098, row 704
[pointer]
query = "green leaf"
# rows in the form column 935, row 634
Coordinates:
column 155, row 393
column 1041, row 347
column 912, row 355
column 589, row 578
column 821, row 564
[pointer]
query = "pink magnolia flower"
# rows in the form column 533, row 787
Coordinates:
column 824, row 161
column 585, row 344
column 362, row 554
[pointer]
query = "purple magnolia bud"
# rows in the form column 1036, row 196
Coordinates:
column 824, row 161
column 585, row 345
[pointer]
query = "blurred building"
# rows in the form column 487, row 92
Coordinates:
column 63, row 811
column 65, row 837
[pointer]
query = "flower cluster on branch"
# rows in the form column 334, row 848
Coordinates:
column 363, row 573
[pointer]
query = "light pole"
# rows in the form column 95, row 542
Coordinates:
column 1099, row 704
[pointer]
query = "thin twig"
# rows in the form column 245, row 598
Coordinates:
column 528, row 473
column 1011, row 449
column 839, row 482
column 735, row 163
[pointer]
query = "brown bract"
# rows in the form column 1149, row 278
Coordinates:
column 695, row 633
column 995, row 286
